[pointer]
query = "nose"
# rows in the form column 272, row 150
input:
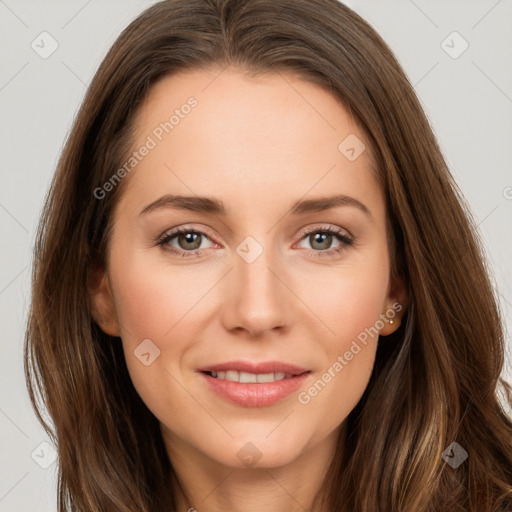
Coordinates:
column 257, row 298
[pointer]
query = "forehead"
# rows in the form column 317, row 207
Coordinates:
column 272, row 107
column 257, row 139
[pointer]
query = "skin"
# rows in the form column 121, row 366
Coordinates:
column 259, row 145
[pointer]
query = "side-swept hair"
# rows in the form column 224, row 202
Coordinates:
column 435, row 379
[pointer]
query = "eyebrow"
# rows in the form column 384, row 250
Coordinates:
column 216, row 207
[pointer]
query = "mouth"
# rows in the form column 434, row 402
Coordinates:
column 259, row 388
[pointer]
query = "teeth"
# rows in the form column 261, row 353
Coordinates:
column 245, row 377
column 242, row 377
column 232, row 375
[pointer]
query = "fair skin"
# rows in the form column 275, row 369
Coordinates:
column 258, row 145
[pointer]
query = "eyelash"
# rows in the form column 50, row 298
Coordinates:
column 346, row 241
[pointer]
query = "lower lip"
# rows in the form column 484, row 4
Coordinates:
column 255, row 394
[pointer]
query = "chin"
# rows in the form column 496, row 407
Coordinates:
column 261, row 450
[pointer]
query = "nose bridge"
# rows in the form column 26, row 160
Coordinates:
column 257, row 297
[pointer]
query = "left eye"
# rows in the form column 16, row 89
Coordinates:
column 322, row 239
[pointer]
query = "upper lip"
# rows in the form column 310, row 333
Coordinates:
column 256, row 368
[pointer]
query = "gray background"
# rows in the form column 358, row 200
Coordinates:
column 467, row 97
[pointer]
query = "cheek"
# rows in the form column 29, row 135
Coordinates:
column 151, row 299
column 354, row 306
column 156, row 302
column 163, row 303
column 349, row 303
column 351, row 312
column 348, row 299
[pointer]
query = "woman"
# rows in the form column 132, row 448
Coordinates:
column 250, row 371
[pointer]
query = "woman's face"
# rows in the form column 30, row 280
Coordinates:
column 254, row 277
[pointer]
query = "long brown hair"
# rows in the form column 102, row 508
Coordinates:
column 435, row 380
